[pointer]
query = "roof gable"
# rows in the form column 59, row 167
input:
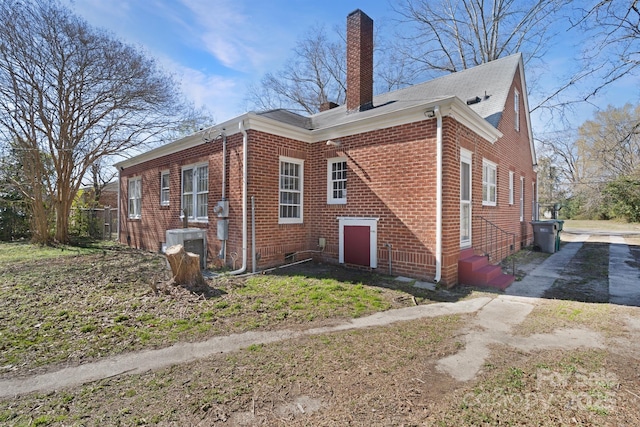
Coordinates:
column 488, row 83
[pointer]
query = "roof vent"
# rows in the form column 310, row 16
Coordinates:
column 474, row 100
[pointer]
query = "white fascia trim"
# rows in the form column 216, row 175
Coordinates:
column 275, row 127
column 459, row 110
column 452, row 106
column 164, row 150
column 230, row 127
column 525, row 100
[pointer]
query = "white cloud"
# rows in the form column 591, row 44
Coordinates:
column 220, row 96
column 231, row 34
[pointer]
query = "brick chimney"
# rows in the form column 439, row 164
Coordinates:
column 359, row 61
column 326, row 106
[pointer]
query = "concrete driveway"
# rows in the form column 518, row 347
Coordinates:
column 622, row 286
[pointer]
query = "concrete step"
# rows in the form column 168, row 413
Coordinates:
column 475, row 270
column 502, row 281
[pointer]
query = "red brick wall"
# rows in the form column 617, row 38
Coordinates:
column 148, row 232
column 274, row 240
column 359, row 61
column 511, row 153
column 391, row 176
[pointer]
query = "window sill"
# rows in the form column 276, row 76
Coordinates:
column 337, row 202
column 196, row 221
column 290, row 222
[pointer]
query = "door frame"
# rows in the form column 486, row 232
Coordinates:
column 466, row 156
column 372, row 223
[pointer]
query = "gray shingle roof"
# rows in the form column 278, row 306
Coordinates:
column 489, row 82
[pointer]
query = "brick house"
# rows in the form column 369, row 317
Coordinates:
column 413, row 181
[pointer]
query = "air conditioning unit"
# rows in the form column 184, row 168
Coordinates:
column 192, row 239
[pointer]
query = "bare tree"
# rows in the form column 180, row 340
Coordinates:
column 614, row 45
column 316, row 73
column 603, row 150
column 612, row 141
column 100, row 175
column 453, row 35
column 313, row 75
column 70, row 95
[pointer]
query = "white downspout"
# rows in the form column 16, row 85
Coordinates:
column 245, row 171
column 119, row 184
column 438, row 275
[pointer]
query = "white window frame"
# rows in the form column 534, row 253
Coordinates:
column 332, row 182
column 466, row 157
column 165, row 191
column 487, row 185
column 533, row 201
column 195, row 192
column 134, row 195
column 511, row 186
column 516, row 110
column 299, row 191
column 521, row 198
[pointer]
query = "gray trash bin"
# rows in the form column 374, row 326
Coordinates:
column 544, row 235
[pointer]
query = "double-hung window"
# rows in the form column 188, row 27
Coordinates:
column 521, row 198
column 511, row 184
column 337, row 181
column 135, row 197
column 488, row 183
column 164, row 188
column 195, row 192
column 291, row 190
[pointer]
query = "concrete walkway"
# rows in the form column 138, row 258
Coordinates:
column 624, row 279
column 496, row 317
column 542, row 277
column 137, row 363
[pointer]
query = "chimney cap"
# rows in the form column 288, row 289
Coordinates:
column 357, row 11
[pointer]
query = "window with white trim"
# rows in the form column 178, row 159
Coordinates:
column 135, row 197
column 511, row 184
column 516, row 110
column 195, row 192
column 521, row 198
column 164, row 188
column 291, row 190
column 488, row 183
column 337, row 181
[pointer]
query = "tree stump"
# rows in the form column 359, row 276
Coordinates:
column 185, row 267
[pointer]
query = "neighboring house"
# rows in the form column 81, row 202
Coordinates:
column 108, row 196
column 410, row 181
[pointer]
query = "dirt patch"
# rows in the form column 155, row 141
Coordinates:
column 372, row 377
column 586, row 278
column 378, row 376
column 523, row 262
column 68, row 310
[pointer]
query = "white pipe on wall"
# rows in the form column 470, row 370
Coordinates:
column 245, row 171
column 253, row 235
column 438, row 275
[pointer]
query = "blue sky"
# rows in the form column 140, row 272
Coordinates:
column 217, row 48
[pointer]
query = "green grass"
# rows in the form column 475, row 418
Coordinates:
column 57, row 308
column 601, row 225
column 22, row 251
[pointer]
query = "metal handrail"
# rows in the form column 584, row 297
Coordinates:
column 496, row 243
